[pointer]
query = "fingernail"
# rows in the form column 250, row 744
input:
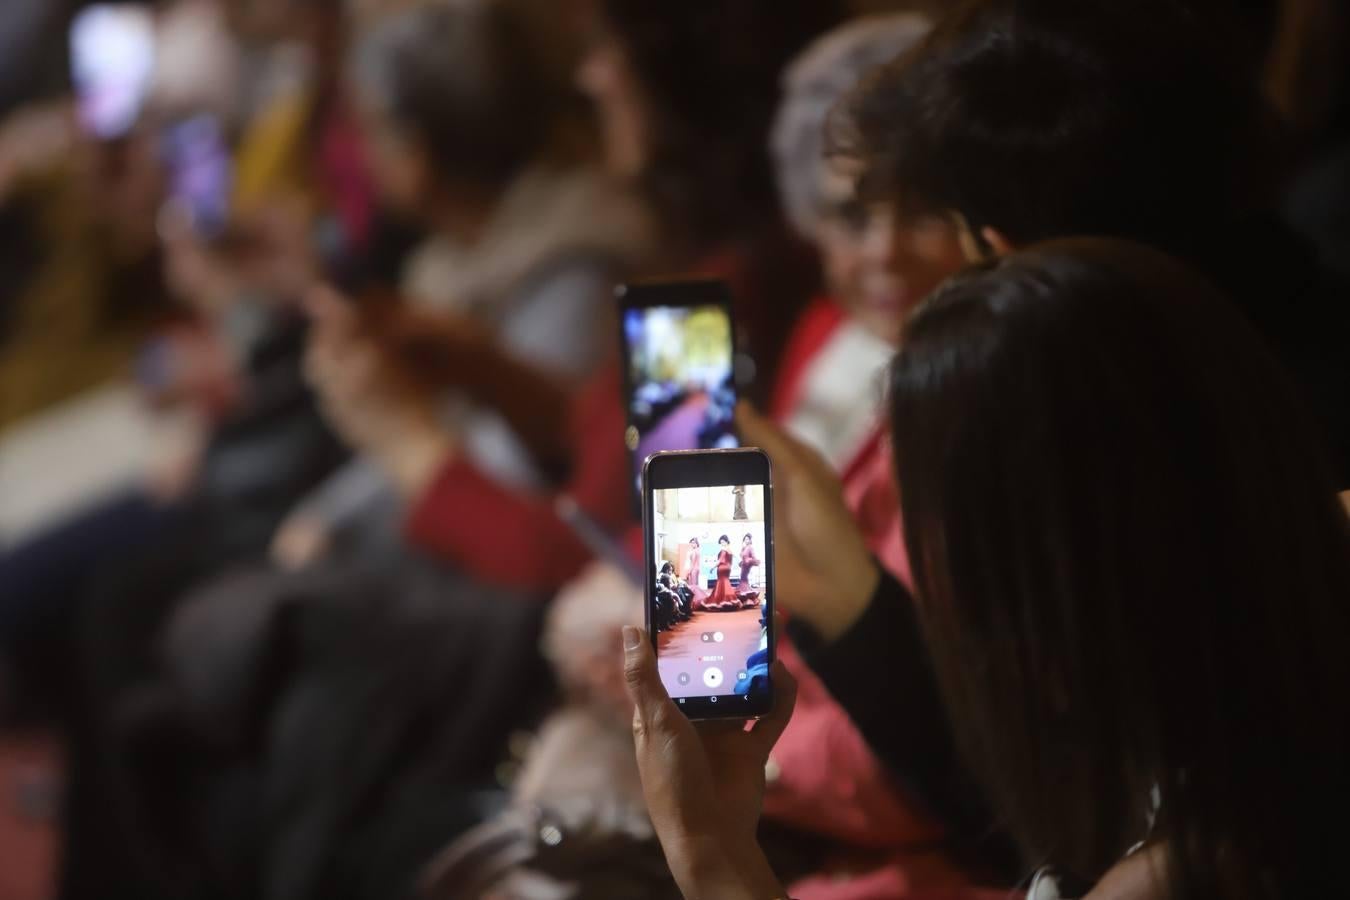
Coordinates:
column 632, row 638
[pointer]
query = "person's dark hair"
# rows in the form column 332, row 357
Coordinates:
column 748, row 537
column 694, row 541
column 1051, row 118
column 667, row 567
column 724, row 540
column 711, row 76
column 1133, row 569
column 467, row 82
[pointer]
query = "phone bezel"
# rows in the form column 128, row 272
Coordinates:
column 714, row 468
column 673, row 293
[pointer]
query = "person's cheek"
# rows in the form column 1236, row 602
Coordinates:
column 843, row 264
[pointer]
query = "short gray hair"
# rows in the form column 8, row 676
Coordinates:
column 813, row 84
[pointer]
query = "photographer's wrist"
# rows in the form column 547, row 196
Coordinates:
column 851, row 598
column 713, row 869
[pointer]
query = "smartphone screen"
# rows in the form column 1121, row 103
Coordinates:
column 708, row 526
column 112, row 60
column 200, row 172
column 679, row 367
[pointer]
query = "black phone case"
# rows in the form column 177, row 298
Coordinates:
column 721, row 467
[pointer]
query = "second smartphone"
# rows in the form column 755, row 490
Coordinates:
column 707, row 519
column 678, row 347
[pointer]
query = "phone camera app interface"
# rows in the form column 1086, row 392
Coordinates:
column 709, row 606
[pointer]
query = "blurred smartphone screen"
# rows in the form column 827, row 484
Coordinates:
column 112, row 59
column 200, row 173
column 679, row 351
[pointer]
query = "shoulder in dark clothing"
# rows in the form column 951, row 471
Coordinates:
column 880, row 673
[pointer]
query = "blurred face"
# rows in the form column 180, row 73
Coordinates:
column 605, row 76
column 878, row 266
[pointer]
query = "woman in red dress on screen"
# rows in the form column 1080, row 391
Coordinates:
column 749, row 596
column 723, row 597
column 693, row 575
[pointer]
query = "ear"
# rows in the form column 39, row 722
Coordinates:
column 965, row 237
column 996, row 241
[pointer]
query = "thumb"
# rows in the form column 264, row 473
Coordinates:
column 640, row 675
column 769, row 729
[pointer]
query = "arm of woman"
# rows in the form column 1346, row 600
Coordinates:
column 516, row 537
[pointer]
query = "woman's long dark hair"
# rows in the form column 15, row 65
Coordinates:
column 1133, row 569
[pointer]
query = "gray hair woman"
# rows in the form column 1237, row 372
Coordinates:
column 876, row 267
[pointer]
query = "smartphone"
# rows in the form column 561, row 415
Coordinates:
column 201, row 173
column 707, row 518
column 112, row 61
column 679, row 368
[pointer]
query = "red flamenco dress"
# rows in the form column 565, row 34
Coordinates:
column 723, row 598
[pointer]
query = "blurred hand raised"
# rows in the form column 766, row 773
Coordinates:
column 826, row 574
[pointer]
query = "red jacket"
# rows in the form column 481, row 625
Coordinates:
column 516, row 538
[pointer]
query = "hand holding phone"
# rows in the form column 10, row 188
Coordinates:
column 709, row 611
column 704, row 782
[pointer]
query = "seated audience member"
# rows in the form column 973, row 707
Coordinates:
column 1028, row 121
column 836, row 814
column 466, row 134
column 263, row 454
column 238, row 355
column 686, row 95
column 689, row 133
column 876, row 267
column 935, row 127
column 504, row 539
column 1104, row 537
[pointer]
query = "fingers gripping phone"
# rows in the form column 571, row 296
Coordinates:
column 707, row 519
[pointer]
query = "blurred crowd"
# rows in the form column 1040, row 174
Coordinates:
column 1043, row 313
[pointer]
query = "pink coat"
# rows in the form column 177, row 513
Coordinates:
column 824, row 778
